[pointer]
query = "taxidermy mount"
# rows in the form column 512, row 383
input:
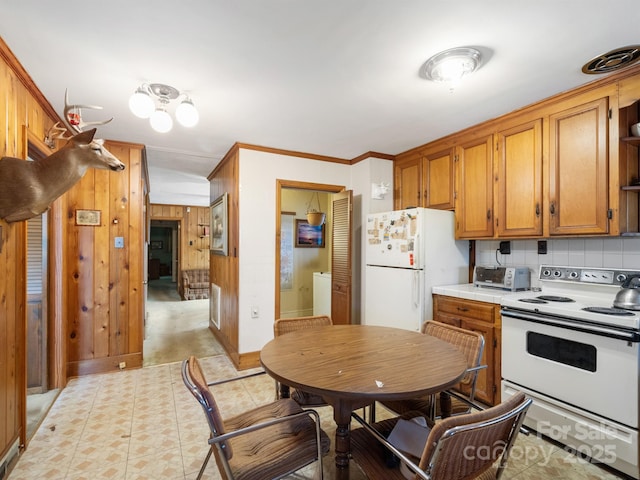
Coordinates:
column 27, row 188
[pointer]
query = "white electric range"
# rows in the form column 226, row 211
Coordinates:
column 578, row 357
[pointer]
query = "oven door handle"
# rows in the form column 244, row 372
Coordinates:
column 628, row 336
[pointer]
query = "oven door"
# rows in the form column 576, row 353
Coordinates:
column 593, row 371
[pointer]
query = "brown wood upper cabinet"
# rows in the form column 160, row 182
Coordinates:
column 562, row 167
column 519, row 181
column 474, row 188
column 578, row 169
column 425, row 178
column 438, row 179
column 572, row 196
column 407, row 179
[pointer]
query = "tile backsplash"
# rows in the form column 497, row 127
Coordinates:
column 617, row 252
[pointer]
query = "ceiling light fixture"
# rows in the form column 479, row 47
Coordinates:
column 151, row 101
column 453, row 64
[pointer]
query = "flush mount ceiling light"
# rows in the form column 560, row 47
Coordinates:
column 151, row 101
column 453, row 64
column 613, row 60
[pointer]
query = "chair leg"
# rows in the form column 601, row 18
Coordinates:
column 204, row 465
column 372, row 413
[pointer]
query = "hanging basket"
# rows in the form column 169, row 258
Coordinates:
column 315, row 218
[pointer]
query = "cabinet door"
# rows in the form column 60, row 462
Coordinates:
column 408, row 182
column 578, row 166
column 437, row 180
column 519, row 181
column 474, row 189
column 485, row 384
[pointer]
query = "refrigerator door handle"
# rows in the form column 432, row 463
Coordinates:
column 415, row 289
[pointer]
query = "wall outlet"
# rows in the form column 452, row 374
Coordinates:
column 122, row 365
column 119, row 242
column 255, row 313
column 505, row 248
column 542, row 247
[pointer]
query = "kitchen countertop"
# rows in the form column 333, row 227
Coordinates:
column 470, row 292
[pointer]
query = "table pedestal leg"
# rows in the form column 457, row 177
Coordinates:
column 284, row 391
column 445, row 404
column 342, row 417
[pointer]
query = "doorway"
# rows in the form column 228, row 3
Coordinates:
column 39, row 397
column 162, row 255
column 297, row 264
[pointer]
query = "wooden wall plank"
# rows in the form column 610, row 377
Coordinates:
column 101, row 247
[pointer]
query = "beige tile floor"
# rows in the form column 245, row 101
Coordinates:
column 144, row 424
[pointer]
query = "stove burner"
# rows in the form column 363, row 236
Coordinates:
column 531, row 300
column 554, row 298
column 607, row 311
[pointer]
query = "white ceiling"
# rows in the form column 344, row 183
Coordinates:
column 332, row 77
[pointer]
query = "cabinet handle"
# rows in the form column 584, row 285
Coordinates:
column 537, row 209
column 552, row 208
column 463, row 309
column 489, row 214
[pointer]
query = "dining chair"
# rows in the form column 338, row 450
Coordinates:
column 268, row 442
column 462, row 396
column 286, row 325
column 470, row 446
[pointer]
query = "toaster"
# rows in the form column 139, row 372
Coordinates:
column 512, row 279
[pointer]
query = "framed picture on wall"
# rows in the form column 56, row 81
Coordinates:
column 156, row 245
column 218, row 224
column 309, row 236
column 88, row 217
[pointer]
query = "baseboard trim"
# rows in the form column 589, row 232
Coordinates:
column 104, row 365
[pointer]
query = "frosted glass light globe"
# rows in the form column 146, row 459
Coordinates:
column 161, row 121
column 186, row 114
column 141, row 104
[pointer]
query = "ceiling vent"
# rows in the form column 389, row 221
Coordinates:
column 613, row 60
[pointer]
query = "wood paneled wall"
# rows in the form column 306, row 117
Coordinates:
column 24, row 112
column 104, row 283
column 95, row 291
column 225, row 269
column 194, row 245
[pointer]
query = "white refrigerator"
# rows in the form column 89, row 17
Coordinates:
column 407, row 252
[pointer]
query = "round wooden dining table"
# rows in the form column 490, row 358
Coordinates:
column 351, row 366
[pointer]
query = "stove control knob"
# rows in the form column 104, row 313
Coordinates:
column 621, row 277
column 557, row 273
column 573, row 274
column 546, row 273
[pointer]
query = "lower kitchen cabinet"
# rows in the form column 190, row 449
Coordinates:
column 483, row 318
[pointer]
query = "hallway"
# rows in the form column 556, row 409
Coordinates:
column 176, row 328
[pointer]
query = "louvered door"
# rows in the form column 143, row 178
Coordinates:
column 341, row 258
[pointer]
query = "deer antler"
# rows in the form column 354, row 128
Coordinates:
column 56, row 132
column 73, row 116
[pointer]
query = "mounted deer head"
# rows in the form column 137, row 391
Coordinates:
column 27, row 188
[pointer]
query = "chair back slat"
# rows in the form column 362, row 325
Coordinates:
column 287, row 325
column 463, row 447
column 470, row 343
